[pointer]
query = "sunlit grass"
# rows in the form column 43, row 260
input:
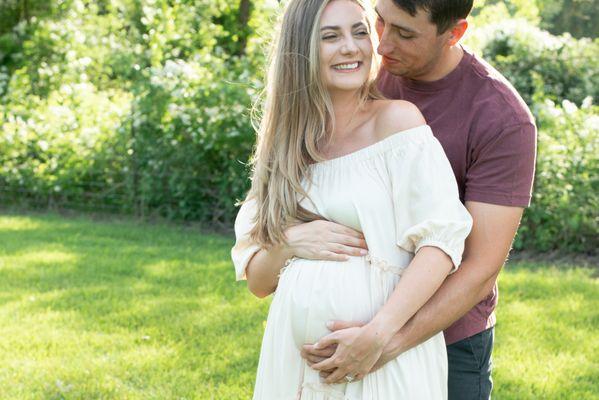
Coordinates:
column 124, row 310
column 547, row 339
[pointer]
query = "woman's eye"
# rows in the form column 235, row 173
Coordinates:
column 362, row 33
column 328, row 37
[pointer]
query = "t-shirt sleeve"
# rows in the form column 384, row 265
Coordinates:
column 502, row 167
column 244, row 249
column 427, row 207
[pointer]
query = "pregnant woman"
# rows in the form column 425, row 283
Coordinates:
column 330, row 148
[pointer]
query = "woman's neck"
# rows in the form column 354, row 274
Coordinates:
column 345, row 109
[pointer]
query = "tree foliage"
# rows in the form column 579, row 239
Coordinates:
column 142, row 106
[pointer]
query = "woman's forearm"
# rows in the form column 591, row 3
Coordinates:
column 263, row 269
column 456, row 296
column 419, row 282
column 487, row 248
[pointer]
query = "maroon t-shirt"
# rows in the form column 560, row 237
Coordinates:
column 489, row 136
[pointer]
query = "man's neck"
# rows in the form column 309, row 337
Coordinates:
column 444, row 66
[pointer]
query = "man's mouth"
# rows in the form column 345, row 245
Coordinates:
column 389, row 60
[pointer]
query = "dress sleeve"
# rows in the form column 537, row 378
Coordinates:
column 244, row 249
column 428, row 211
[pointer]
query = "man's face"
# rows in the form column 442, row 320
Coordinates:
column 409, row 46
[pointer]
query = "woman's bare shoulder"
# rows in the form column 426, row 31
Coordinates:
column 394, row 116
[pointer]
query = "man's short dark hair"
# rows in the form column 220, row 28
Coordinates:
column 444, row 13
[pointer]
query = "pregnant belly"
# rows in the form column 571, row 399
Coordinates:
column 311, row 292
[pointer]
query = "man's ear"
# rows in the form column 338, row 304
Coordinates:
column 457, row 31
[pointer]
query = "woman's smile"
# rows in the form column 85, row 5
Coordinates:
column 348, row 67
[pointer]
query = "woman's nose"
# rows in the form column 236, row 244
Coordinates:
column 349, row 46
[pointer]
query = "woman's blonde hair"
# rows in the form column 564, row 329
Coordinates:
column 296, row 115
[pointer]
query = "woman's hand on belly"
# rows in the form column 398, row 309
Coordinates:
column 325, row 240
column 357, row 351
column 314, row 355
column 316, row 240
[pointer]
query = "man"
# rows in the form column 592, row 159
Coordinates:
column 489, row 137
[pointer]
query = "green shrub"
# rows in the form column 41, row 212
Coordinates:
column 563, row 214
column 548, row 70
column 577, row 17
column 190, row 130
column 130, row 106
column 66, row 149
column 143, row 107
column 540, row 65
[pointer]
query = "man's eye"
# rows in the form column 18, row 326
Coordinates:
column 404, row 36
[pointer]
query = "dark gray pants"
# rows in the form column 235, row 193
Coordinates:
column 470, row 367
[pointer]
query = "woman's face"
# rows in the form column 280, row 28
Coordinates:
column 345, row 46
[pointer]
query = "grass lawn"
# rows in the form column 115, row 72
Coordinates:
column 125, row 310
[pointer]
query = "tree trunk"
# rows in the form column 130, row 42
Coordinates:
column 243, row 17
column 25, row 10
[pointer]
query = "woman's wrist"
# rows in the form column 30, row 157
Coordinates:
column 381, row 329
column 283, row 252
column 287, row 251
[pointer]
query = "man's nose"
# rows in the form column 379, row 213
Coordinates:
column 385, row 46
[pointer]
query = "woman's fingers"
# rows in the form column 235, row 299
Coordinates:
column 352, row 241
column 325, row 374
column 309, row 349
column 331, row 256
column 350, row 238
column 326, row 240
column 326, row 341
column 345, row 230
column 338, row 376
column 349, row 250
column 310, row 359
column 325, row 365
column 314, row 356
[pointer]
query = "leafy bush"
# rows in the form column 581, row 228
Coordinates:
column 577, row 17
column 190, row 129
column 130, row 106
column 563, row 214
column 540, row 65
column 548, row 70
column 142, row 107
column 66, row 149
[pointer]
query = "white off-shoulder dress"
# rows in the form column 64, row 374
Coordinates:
column 402, row 194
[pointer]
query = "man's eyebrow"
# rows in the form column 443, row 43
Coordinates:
column 403, row 28
column 336, row 28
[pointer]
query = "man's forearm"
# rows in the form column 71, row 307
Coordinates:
column 459, row 294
